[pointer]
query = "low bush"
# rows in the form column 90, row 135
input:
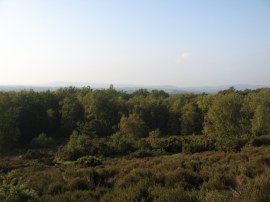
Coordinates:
column 70, row 196
column 89, row 161
column 141, row 153
column 257, row 189
column 36, row 154
column 42, row 141
column 169, row 144
column 78, row 184
column 15, row 190
column 231, row 144
column 260, row 141
column 138, row 191
column 77, row 146
column 171, row 194
column 187, row 179
column 193, row 147
column 56, row 188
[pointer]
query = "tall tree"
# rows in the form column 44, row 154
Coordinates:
column 224, row 117
column 260, row 103
column 133, row 125
column 9, row 131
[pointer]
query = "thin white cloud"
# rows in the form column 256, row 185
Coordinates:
column 183, row 57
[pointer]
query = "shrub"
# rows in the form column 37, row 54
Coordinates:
column 78, row 184
column 170, row 194
column 198, row 144
column 56, row 188
column 217, row 196
column 70, row 196
column 16, row 190
column 250, row 171
column 122, row 143
column 133, row 125
column 92, row 177
column 134, row 177
column 187, row 179
column 155, row 133
column 89, row 161
column 78, row 145
column 134, row 192
column 259, row 141
column 258, row 189
column 141, row 153
column 35, row 154
column 264, row 160
column 42, row 141
column 169, row 144
column 219, row 182
column 229, row 144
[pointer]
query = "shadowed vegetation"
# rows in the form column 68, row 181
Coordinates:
column 104, row 145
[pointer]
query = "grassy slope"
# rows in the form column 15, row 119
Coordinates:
column 206, row 176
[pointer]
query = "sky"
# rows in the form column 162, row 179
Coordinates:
column 143, row 42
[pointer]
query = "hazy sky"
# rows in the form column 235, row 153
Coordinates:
column 146, row 42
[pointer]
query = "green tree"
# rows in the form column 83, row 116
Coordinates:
column 103, row 109
column 226, row 121
column 190, row 119
column 133, row 125
column 71, row 112
column 261, row 120
column 224, row 117
column 152, row 109
column 77, row 146
column 32, row 119
column 260, row 104
column 9, row 131
column 15, row 190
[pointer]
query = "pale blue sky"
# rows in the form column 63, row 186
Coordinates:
column 145, row 42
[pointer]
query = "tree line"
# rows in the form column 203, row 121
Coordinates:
column 26, row 116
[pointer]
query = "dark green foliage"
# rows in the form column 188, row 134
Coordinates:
column 141, row 153
column 89, row 161
column 42, row 141
column 71, row 112
column 259, row 104
column 231, row 143
column 70, row 196
column 153, row 146
column 224, row 118
column 9, row 127
column 171, row 144
column 198, row 144
column 190, row 119
column 33, row 117
column 36, row 154
column 77, row 146
column 122, row 143
column 260, row 141
column 133, row 125
column 103, row 109
column 27, row 115
column 15, row 190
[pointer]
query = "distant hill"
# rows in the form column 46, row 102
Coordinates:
column 129, row 88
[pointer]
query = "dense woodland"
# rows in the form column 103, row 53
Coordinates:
column 80, row 144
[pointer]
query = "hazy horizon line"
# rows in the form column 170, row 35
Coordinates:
column 85, row 84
